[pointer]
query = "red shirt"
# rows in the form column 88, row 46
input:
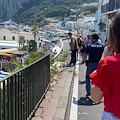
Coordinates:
column 107, row 78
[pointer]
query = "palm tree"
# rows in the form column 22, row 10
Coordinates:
column 34, row 31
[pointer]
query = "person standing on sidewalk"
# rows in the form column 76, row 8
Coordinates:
column 87, row 41
column 106, row 79
column 74, row 49
column 94, row 51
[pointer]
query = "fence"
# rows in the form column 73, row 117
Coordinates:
column 110, row 6
column 22, row 91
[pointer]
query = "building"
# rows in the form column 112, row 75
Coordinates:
column 101, row 21
column 106, row 11
column 85, row 25
column 91, row 4
column 14, row 36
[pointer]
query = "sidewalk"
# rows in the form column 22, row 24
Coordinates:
column 55, row 104
column 65, row 99
column 87, row 109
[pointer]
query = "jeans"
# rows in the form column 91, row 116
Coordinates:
column 90, row 68
column 73, row 56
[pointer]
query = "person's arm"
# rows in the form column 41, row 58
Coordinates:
column 85, row 54
column 73, row 44
column 84, row 58
column 96, row 94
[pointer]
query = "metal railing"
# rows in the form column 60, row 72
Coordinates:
column 110, row 6
column 23, row 90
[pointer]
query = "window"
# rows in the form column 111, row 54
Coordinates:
column 4, row 38
column 13, row 37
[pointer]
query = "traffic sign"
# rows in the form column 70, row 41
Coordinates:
column 63, row 24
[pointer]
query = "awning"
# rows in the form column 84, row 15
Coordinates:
column 2, row 45
column 78, row 35
column 7, row 50
column 107, row 13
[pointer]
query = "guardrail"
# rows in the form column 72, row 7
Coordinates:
column 22, row 91
column 61, row 49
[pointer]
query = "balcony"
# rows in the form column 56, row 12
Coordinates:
column 110, row 7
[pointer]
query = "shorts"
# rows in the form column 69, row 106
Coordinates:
column 108, row 116
column 82, row 54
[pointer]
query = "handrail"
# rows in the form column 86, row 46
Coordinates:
column 61, row 49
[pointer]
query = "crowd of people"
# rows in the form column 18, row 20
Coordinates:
column 103, row 63
column 78, row 46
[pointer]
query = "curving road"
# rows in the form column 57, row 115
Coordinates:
column 66, row 45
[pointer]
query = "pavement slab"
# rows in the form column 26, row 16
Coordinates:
column 54, row 106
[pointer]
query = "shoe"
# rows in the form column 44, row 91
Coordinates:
column 87, row 95
column 74, row 64
column 68, row 65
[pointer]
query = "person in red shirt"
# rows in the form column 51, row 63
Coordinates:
column 106, row 79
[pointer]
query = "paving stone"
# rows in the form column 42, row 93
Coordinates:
column 43, row 104
column 48, row 95
column 56, row 95
column 51, row 88
column 48, row 113
column 60, row 113
column 38, row 112
column 57, row 119
column 37, row 118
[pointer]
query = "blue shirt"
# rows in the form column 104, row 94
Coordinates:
column 94, row 50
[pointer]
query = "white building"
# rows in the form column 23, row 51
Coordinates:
column 14, row 36
column 91, row 4
column 85, row 25
column 101, row 18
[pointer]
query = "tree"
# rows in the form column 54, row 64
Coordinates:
column 34, row 31
column 33, row 56
column 32, row 45
column 22, row 42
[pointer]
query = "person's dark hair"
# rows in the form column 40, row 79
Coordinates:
column 114, row 32
column 95, row 36
column 69, row 33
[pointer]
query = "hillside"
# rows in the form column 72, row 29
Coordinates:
column 34, row 11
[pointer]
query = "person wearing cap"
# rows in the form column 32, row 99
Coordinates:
column 94, row 52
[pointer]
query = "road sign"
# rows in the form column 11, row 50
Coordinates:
column 63, row 24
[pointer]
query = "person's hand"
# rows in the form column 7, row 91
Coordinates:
column 107, row 52
column 82, row 62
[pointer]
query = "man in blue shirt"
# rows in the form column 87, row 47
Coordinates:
column 94, row 52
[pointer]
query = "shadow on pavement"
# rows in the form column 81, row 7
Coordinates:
column 85, row 102
column 82, row 82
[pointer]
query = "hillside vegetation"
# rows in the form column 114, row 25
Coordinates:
column 35, row 11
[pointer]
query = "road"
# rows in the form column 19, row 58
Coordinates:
column 66, row 45
column 82, row 108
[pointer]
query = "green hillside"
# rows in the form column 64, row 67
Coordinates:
column 35, row 11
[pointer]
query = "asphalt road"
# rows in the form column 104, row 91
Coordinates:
column 87, row 109
column 66, row 45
